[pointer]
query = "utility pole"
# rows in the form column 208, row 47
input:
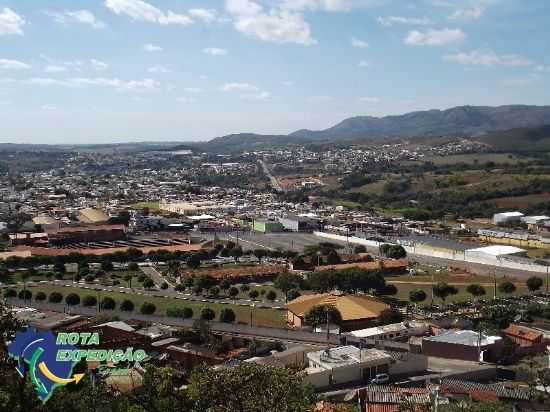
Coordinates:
column 546, row 279
column 495, row 283
column 328, row 329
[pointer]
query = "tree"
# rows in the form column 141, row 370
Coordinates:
column 164, row 285
column 187, row 312
column 389, row 316
column 253, row 294
column 417, row 296
column 126, row 305
column 40, row 296
column 286, row 281
column 293, row 294
column 271, row 295
column 72, row 299
column 443, row 290
column 214, row 291
column 25, row 294
column 148, row 283
column 236, row 389
column 475, row 290
column 193, row 261
column 207, row 314
column 233, row 292
column 507, row 288
column 55, row 297
column 133, row 267
column 227, row 315
column 236, row 253
column 534, row 283
column 148, row 308
column 333, row 258
column 317, row 315
column 108, row 304
column 260, row 254
column 89, row 301
column 392, row 251
column 245, row 288
column 360, row 249
column 225, row 284
column 10, row 293
column 107, row 265
column 128, row 279
column 59, row 266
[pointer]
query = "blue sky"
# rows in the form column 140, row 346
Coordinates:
column 74, row 71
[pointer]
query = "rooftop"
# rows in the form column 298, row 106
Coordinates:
column 331, row 358
column 498, row 250
column 463, row 337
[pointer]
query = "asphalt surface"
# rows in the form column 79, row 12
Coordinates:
column 273, row 179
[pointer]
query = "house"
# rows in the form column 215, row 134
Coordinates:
column 395, row 331
column 529, row 340
column 386, row 398
column 357, row 311
column 465, row 345
column 345, row 364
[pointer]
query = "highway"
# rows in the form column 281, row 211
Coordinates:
column 273, row 179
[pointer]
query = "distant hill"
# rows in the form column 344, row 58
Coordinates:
column 520, row 139
column 250, row 141
column 462, row 120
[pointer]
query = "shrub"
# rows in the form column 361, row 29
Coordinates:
column 108, row 303
column 127, row 305
column 227, row 315
column 10, row 293
column 25, row 294
column 207, row 314
column 40, row 296
column 148, row 308
column 89, row 301
column 55, row 297
column 72, row 299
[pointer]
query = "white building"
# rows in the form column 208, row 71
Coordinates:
column 394, row 331
column 507, row 217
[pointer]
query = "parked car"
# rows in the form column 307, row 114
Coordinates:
column 380, row 379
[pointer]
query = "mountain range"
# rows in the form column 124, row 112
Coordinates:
column 457, row 121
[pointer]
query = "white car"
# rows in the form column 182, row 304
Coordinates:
column 380, row 379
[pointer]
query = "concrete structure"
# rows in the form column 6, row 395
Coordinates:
column 267, row 226
column 299, row 224
column 195, row 208
column 345, row 364
column 533, row 222
column 395, row 331
column 357, row 311
column 462, row 344
column 507, row 217
column 91, row 215
column 515, row 238
column 493, row 251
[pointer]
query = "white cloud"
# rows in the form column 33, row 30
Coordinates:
column 277, row 25
column 326, row 5
column 83, row 82
column 391, row 20
column 239, row 87
column 262, row 95
column 206, row 15
column 214, row 51
column 542, row 69
column 76, row 16
column 474, row 11
column 98, row 65
column 193, row 90
column 151, row 48
column 8, row 64
column 158, row 69
column 55, row 68
column 288, row 83
column 367, row 99
column 139, row 10
column 11, row 23
column 487, row 58
column 358, row 43
column 364, row 63
column 434, row 37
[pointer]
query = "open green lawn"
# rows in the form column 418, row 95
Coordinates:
column 143, row 205
column 472, row 158
column 261, row 316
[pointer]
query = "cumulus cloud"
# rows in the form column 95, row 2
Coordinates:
column 355, row 42
column 475, row 10
column 193, row 90
column 247, row 91
column 487, row 58
column 391, row 20
column 85, row 82
column 55, row 68
column 276, row 25
column 326, row 5
column 434, row 37
column 139, row 10
column 364, row 63
column 214, row 51
column 206, row 15
column 11, row 23
column 8, row 64
column 98, row 65
column 76, row 16
column 368, row 99
column 158, row 69
column 151, row 48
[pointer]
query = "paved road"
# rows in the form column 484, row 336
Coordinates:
column 273, row 179
column 156, row 276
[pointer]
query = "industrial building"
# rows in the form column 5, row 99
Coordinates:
column 507, row 217
column 299, row 224
column 91, row 215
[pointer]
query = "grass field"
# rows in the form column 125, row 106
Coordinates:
column 261, row 316
column 521, row 202
column 150, row 205
column 475, row 158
